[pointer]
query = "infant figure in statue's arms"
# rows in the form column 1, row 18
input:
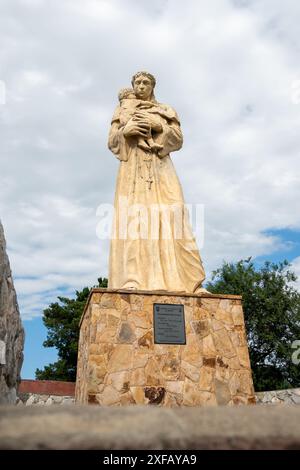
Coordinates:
column 129, row 103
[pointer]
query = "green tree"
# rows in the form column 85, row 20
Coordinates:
column 62, row 322
column 272, row 316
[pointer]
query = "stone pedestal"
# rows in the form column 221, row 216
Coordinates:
column 119, row 364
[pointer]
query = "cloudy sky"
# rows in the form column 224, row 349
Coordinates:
column 231, row 70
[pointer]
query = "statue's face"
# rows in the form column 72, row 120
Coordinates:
column 143, row 88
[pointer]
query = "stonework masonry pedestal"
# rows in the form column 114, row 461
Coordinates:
column 119, row 363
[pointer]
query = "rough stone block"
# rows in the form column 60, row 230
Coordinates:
column 120, row 364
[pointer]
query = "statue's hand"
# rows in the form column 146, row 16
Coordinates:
column 137, row 127
column 152, row 120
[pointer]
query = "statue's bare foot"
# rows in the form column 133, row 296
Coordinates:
column 201, row 290
column 143, row 145
column 156, row 147
column 130, row 285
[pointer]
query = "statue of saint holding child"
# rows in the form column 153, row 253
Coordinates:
column 152, row 246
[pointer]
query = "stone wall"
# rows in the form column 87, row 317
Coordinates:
column 279, row 397
column 11, row 330
column 30, row 399
column 50, row 392
column 119, row 363
column 46, row 392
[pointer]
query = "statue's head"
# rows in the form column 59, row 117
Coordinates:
column 143, row 84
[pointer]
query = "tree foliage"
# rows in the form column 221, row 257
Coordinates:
column 272, row 316
column 62, row 322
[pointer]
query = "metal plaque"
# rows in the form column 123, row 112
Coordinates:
column 169, row 325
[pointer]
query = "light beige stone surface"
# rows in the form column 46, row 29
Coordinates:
column 141, row 427
column 35, row 399
column 279, row 397
column 121, row 367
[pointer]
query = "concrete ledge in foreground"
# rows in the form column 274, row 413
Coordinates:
column 91, row 427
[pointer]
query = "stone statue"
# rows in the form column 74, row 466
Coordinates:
column 152, row 245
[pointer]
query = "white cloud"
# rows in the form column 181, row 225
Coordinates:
column 296, row 269
column 228, row 67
